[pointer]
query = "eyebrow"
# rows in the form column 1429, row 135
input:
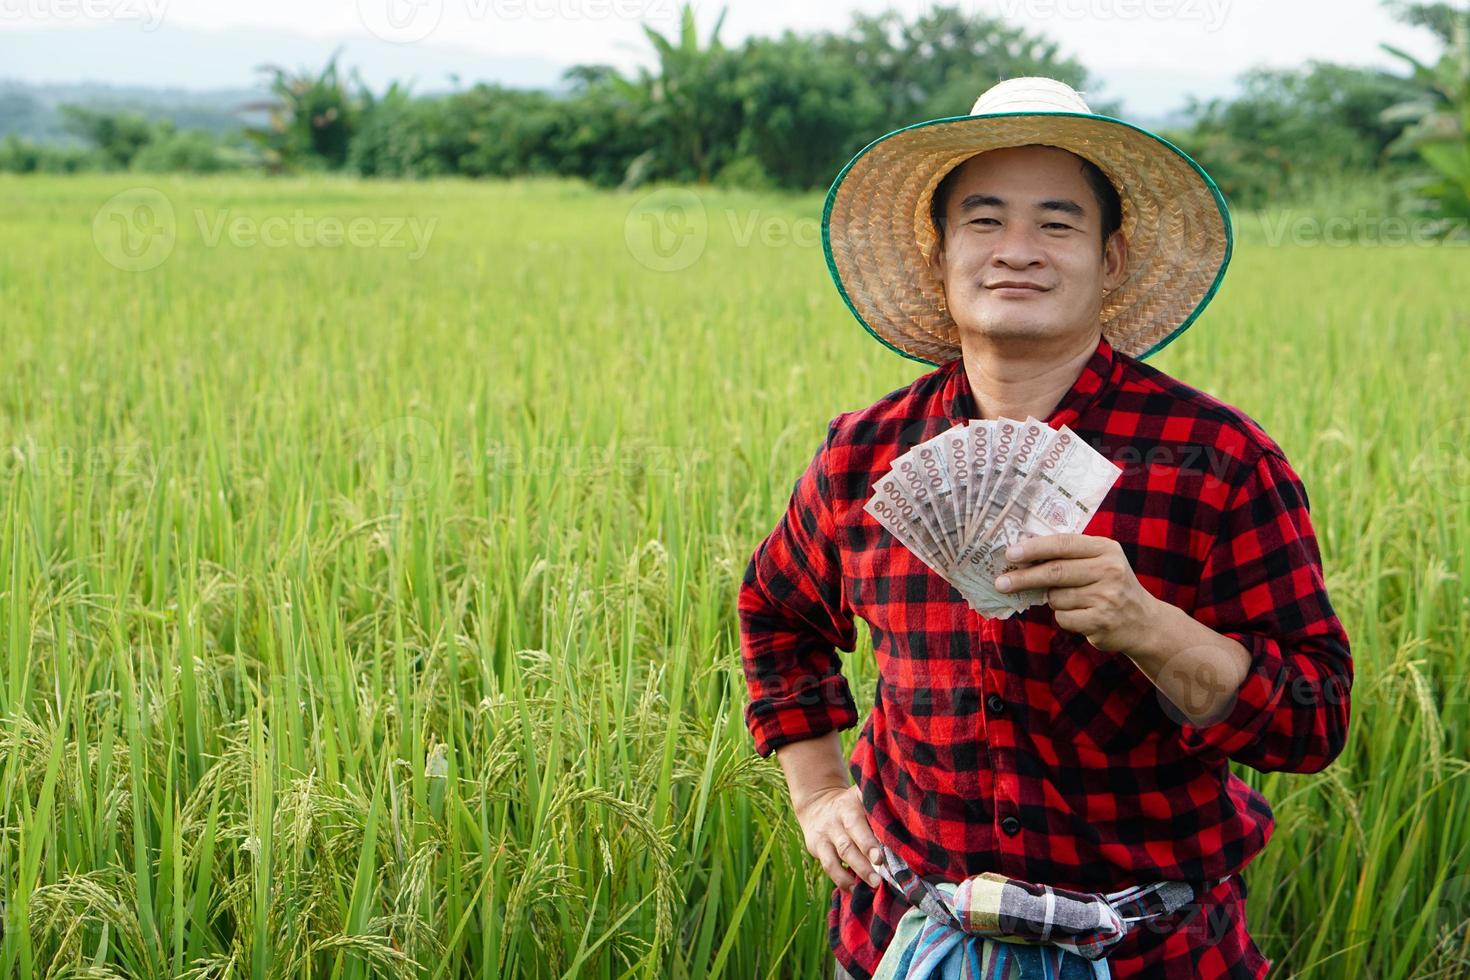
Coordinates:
column 973, row 201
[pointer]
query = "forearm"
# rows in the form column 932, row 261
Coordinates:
column 1196, row 668
column 813, row 765
column 793, row 620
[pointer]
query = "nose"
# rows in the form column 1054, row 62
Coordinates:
column 1017, row 247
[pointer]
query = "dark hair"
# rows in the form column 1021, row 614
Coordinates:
column 1102, row 189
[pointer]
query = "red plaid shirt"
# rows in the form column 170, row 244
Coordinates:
column 1016, row 746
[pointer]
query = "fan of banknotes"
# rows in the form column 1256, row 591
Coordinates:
column 958, row 500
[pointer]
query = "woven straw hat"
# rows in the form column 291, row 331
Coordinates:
column 878, row 234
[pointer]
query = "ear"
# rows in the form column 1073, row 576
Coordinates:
column 936, row 258
column 1115, row 260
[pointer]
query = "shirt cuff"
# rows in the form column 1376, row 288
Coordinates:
column 810, row 712
column 1254, row 703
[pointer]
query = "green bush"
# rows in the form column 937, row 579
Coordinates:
column 399, row 137
column 21, row 156
column 745, row 172
column 188, row 151
column 1293, row 124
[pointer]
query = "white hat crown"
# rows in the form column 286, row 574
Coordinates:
column 1029, row 94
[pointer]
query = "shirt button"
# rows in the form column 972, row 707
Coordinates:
column 995, row 704
column 1011, row 826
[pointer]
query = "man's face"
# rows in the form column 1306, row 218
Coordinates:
column 1026, row 215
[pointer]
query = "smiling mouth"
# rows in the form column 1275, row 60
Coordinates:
column 1015, row 291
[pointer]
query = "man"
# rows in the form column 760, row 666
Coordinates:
column 1036, row 253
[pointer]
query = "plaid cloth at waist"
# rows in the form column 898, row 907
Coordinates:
column 990, row 924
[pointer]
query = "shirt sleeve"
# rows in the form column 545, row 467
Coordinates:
column 1262, row 585
column 793, row 618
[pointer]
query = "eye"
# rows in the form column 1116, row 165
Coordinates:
column 1056, row 224
column 979, row 220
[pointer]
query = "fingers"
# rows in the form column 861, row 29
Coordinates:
column 856, row 820
column 845, row 844
column 1063, row 600
column 852, row 855
column 1068, row 573
column 1046, row 547
column 832, row 864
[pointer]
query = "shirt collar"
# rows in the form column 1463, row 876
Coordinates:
column 1097, row 375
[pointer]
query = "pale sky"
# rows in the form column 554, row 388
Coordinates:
column 1150, row 52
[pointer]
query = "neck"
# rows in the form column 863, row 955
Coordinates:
column 1016, row 380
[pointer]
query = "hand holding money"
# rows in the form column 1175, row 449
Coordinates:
column 1093, row 592
column 958, row 500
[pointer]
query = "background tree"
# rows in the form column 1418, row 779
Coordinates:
column 312, row 118
column 604, row 132
column 690, row 111
column 1291, row 127
column 806, row 111
column 1436, row 116
column 1438, row 18
column 118, row 136
column 939, row 63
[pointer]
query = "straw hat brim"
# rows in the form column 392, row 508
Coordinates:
column 878, row 236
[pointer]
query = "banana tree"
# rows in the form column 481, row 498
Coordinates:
column 311, row 120
column 1437, row 123
column 691, row 107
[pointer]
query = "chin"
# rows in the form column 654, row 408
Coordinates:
column 1009, row 328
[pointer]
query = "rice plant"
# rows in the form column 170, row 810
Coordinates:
column 369, row 553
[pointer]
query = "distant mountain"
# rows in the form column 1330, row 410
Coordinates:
column 201, row 79
column 34, row 111
column 123, row 54
column 1155, row 98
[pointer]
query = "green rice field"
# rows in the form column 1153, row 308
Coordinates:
column 369, row 555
